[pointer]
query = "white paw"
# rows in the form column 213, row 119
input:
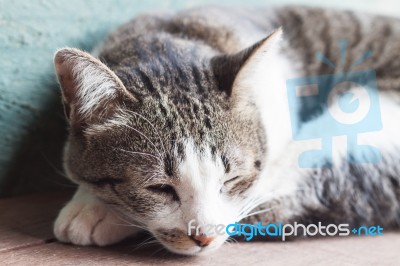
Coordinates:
column 85, row 220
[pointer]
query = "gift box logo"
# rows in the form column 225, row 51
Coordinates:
column 352, row 98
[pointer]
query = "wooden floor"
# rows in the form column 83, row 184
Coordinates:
column 26, row 239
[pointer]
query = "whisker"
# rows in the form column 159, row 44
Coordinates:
column 130, row 225
column 145, row 119
column 255, row 202
column 149, row 179
column 59, row 172
column 140, row 153
column 147, row 241
column 257, row 212
column 158, row 250
column 141, row 133
column 125, row 219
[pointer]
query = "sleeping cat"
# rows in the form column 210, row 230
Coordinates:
column 185, row 116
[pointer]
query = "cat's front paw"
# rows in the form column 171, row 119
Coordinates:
column 87, row 221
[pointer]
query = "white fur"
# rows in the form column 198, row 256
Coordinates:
column 386, row 140
column 85, row 220
column 119, row 119
column 264, row 78
column 200, row 179
column 95, row 88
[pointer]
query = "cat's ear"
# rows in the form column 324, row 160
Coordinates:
column 256, row 77
column 90, row 90
column 234, row 72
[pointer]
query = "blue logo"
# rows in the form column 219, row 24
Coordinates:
column 350, row 106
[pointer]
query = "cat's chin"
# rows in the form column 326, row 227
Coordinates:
column 187, row 252
column 193, row 251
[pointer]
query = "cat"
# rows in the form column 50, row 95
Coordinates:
column 184, row 116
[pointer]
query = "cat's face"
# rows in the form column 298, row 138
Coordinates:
column 165, row 145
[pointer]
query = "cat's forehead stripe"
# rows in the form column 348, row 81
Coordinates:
column 199, row 164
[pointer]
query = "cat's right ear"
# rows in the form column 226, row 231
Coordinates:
column 90, row 90
column 237, row 73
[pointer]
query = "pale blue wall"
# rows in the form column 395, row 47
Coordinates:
column 31, row 118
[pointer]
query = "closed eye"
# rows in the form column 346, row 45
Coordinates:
column 164, row 189
column 237, row 186
column 225, row 187
column 104, row 181
column 231, row 180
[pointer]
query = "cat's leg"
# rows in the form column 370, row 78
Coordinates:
column 86, row 220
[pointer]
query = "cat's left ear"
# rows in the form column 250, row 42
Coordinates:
column 91, row 91
column 236, row 73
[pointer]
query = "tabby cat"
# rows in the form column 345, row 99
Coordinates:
column 185, row 116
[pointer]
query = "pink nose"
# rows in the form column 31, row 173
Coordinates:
column 202, row 240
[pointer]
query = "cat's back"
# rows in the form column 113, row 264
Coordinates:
column 225, row 29
column 221, row 28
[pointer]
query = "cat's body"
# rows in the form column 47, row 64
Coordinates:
column 184, row 103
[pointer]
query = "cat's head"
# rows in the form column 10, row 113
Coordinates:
column 166, row 139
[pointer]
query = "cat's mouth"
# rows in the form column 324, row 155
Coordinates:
column 177, row 241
